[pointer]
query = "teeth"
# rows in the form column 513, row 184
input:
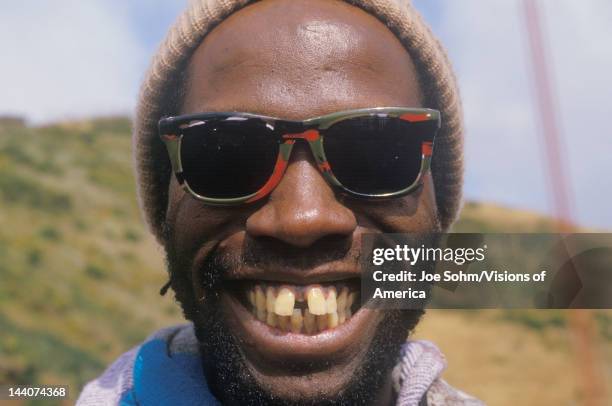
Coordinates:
column 341, row 305
column 252, row 302
column 284, row 302
column 322, row 322
column 260, row 303
column 330, row 303
column 316, row 301
column 350, row 301
column 296, row 321
column 332, row 320
column 270, row 299
column 327, row 307
column 310, row 325
column 284, row 322
column 271, row 319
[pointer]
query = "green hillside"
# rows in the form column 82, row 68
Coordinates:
column 80, row 276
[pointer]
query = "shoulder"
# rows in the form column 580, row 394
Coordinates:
column 418, row 378
column 118, row 379
column 108, row 388
column 440, row 393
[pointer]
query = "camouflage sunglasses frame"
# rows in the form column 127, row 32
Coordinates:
column 311, row 131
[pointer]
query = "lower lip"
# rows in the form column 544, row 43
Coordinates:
column 272, row 345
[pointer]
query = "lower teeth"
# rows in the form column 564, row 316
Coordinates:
column 304, row 310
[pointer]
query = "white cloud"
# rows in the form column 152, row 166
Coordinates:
column 487, row 43
column 66, row 59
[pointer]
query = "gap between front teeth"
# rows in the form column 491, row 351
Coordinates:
column 325, row 307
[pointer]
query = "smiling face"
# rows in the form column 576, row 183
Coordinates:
column 272, row 287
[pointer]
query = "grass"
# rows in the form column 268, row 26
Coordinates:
column 80, row 275
column 19, row 190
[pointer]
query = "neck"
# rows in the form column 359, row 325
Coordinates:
column 386, row 395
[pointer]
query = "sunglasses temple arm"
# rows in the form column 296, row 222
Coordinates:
column 173, row 143
column 427, row 151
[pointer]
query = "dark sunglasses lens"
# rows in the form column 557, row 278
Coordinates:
column 226, row 159
column 376, row 155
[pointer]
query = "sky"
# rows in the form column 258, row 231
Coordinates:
column 67, row 59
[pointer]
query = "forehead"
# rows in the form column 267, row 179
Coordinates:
column 297, row 59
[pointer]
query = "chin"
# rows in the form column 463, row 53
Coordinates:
column 289, row 336
column 251, row 362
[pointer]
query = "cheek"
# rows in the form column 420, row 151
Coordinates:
column 194, row 225
column 416, row 212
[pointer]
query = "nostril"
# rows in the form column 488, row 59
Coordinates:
column 305, row 233
column 302, row 227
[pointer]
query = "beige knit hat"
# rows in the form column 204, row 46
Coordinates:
column 434, row 69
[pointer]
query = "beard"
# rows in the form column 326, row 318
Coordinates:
column 225, row 368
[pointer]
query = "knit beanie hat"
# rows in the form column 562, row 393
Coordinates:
column 436, row 77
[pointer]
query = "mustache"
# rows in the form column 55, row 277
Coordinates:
column 271, row 253
column 257, row 252
column 263, row 252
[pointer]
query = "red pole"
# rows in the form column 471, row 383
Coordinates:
column 547, row 106
column 581, row 323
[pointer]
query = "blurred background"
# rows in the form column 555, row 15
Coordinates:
column 79, row 275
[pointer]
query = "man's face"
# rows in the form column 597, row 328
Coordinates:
column 293, row 60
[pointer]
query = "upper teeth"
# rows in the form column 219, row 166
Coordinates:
column 331, row 302
column 284, row 302
column 316, row 301
column 326, row 307
column 260, row 303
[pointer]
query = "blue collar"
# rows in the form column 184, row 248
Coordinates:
column 164, row 379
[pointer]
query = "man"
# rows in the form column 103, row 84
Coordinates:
column 262, row 229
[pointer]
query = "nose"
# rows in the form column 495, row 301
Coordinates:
column 303, row 208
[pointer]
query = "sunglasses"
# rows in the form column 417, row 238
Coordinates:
column 236, row 158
